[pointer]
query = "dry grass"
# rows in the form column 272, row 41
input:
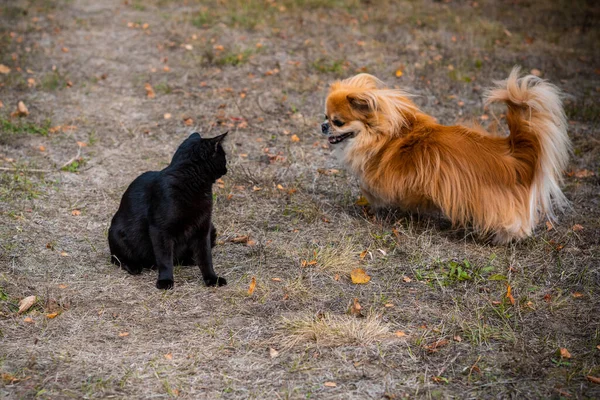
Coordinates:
column 263, row 76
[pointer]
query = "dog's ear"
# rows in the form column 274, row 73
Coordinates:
column 363, row 102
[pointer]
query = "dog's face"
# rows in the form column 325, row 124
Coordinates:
column 351, row 108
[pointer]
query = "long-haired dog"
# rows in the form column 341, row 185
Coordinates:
column 499, row 185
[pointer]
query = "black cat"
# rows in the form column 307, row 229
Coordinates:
column 165, row 216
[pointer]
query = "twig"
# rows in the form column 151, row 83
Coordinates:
column 72, row 159
column 35, row 171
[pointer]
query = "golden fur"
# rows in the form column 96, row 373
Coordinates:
column 499, row 185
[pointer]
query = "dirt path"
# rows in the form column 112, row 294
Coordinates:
column 260, row 69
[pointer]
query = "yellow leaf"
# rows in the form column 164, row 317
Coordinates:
column 26, row 303
column 359, row 276
column 295, row 138
column 509, row 296
column 52, row 315
column 252, row 286
column 363, row 254
column 362, row 201
column 399, row 73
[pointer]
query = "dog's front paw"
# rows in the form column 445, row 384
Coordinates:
column 164, row 284
column 216, row 281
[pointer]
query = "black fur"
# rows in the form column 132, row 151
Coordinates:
column 165, row 216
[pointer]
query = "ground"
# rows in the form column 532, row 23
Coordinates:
column 112, row 87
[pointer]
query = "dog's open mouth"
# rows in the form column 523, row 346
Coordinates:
column 336, row 139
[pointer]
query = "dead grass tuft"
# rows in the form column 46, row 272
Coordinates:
column 331, row 330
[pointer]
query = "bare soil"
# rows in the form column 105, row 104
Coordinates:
column 435, row 319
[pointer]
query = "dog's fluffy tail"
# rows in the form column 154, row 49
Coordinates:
column 538, row 136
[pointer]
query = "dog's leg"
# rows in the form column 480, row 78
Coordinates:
column 203, row 257
column 163, row 251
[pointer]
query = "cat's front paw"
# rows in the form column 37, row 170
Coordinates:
column 164, row 284
column 216, row 281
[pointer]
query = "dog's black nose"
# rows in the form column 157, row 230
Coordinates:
column 325, row 127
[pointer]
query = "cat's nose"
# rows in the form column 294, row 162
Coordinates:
column 325, row 127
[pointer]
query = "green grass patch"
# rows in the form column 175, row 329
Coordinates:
column 18, row 126
column 328, row 66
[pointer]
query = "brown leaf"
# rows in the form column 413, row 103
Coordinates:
column 433, row 347
column 355, row 308
column 28, row 320
column 594, row 379
column 457, row 338
column 564, row 353
column 536, row 72
column 400, row 333
column 240, row 239
column 149, row 91
column 21, row 110
column 359, row 276
column 75, row 212
column 169, row 356
column 42, row 148
column 123, row 334
column 406, row 279
column 547, row 297
column 63, row 286
column 188, row 121
column 252, row 286
column 167, row 116
column 549, row 226
column 26, row 303
column 330, row 384
column 295, row 138
column 52, row 315
column 577, row 228
column 363, row 254
column 577, row 295
column 251, row 243
column 4, row 69
column 273, row 353
column 276, row 279
column 583, row 173
column 388, row 305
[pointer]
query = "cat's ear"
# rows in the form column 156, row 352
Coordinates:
column 217, row 140
column 195, row 135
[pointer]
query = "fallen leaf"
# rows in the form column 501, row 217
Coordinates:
column 509, row 296
column 251, row 243
column 336, row 277
column 295, row 138
column 167, row 116
column 149, row 91
column 388, row 305
column 21, row 110
column 457, row 338
column 484, row 117
column 75, row 212
column 63, row 286
column 169, row 356
column 52, row 315
column 433, row 347
column 252, row 286
column 123, row 334
column 240, row 239
column 64, row 254
column 536, row 72
column 549, row 226
column 547, row 297
column 406, row 279
column 330, row 384
column 362, row 201
column 594, row 379
column 273, row 353
column 359, row 276
column 355, row 308
column 28, row 320
column 583, row 173
column 81, row 144
column 577, row 228
column 564, row 353
column 65, row 49
column 577, row 295
column 256, row 189
column 276, row 279
column 4, row 69
column 400, row 334
column 42, row 148
column 399, row 73
column 26, row 303
column 30, row 82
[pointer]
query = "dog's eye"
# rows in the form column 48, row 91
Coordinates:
column 337, row 122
